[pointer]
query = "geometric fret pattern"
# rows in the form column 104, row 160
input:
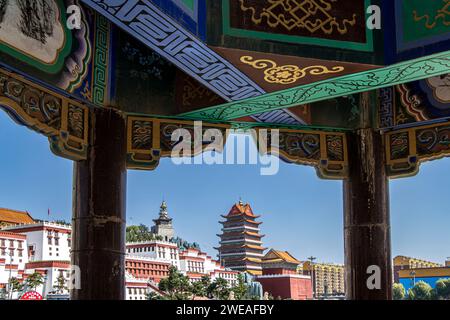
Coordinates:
column 159, row 32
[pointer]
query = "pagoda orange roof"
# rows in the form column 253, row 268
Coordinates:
column 253, row 221
column 241, row 209
column 253, row 234
column 253, row 247
column 240, row 233
column 15, row 216
column 252, row 259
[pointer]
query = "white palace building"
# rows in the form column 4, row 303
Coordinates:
column 27, row 247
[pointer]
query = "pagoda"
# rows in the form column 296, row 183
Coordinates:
column 240, row 242
column 163, row 225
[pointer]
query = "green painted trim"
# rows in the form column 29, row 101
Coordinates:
column 407, row 71
column 59, row 63
column 228, row 30
column 189, row 4
column 77, row 82
column 248, row 125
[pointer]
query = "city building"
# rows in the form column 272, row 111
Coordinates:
column 151, row 261
column 279, row 262
column 147, row 268
column 240, row 241
column 409, row 271
column 196, row 264
column 44, row 247
column 406, row 263
column 10, row 217
column 157, row 250
column 13, row 256
column 139, row 288
column 280, row 277
column 328, row 278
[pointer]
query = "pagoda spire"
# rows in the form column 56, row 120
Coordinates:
column 163, row 214
column 163, row 225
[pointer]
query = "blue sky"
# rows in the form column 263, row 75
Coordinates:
column 301, row 213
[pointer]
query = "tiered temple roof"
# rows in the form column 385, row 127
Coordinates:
column 238, row 250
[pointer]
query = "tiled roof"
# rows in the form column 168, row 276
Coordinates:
column 254, row 247
column 241, row 208
column 252, row 259
column 15, row 216
column 280, row 256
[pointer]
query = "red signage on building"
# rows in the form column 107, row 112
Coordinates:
column 32, row 295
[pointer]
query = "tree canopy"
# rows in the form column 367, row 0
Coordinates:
column 421, row 291
column 398, row 291
column 140, row 233
column 178, row 287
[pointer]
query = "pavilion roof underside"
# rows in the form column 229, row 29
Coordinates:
column 268, row 87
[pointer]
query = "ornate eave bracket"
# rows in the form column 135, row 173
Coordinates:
column 326, row 151
column 62, row 120
column 406, row 149
column 150, row 139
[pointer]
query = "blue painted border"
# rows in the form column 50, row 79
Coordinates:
column 401, row 44
column 195, row 21
column 394, row 48
column 180, row 47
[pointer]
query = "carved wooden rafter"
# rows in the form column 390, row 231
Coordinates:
column 150, row 139
column 64, row 121
column 326, row 151
column 406, row 149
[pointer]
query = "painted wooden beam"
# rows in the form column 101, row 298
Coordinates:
column 407, row 71
column 159, row 32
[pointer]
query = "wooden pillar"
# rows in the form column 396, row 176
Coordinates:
column 98, row 238
column 366, row 215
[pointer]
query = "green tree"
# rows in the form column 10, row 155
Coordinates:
column 421, row 291
column 398, row 291
column 442, row 289
column 34, row 280
column 240, row 289
column 177, row 286
column 15, row 285
column 139, row 233
column 219, row 289
column 154, row 296
column 198, row 289
column 60, row 284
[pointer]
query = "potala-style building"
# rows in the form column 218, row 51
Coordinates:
column 44, row 247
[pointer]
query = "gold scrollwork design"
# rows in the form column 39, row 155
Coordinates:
column 63, row 120
column 441, row 15
column 307, row 14
column 287, row 74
